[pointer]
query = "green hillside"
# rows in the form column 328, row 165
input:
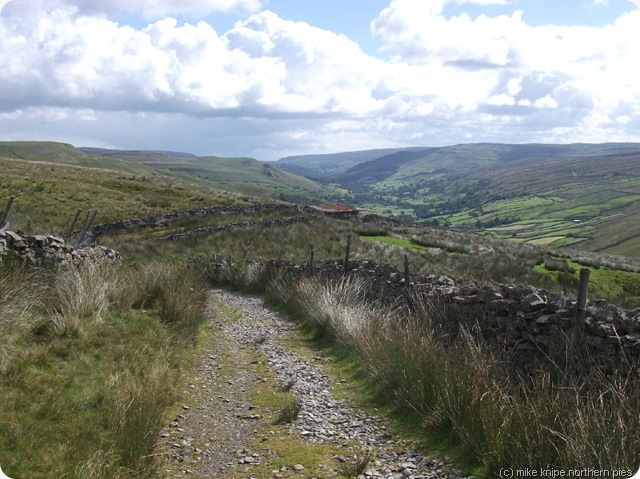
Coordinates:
column 241, row 175
column 324, row 166
column 581, row 195
column 52, row 152
column 47, row 195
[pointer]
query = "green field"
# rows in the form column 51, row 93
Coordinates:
column 579, row 196
column 604, row 282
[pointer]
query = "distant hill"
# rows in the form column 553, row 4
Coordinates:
column 241, row 175
column 324, row 166
column 135, row 154
column 580, row 195
column 52, row 152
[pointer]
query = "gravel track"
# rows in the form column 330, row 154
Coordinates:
column 210, row 436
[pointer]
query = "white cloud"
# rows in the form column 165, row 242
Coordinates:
column 264, row 65
column 451, row 79
column 501, row 100
column 545, row 102
column 576, row 69
column 150, row 9
column 514, row 86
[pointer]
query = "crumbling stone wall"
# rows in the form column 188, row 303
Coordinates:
column 40, row 249
column 523, row 325
column 161, row 219
column 242, row 224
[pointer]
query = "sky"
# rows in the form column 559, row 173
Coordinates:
column 273, row 78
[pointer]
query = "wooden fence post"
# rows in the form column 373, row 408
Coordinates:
column 86, row 221
column 5, row 213
column 406, row 266
column 579, row 336
column 73, row 223
column 91, row 216
column 312, row 262
column 346, row 256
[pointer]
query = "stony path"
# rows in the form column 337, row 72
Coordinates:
column 220, row 433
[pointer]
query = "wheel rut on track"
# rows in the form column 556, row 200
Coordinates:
column 226, row 424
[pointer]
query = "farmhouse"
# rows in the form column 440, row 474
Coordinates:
column 337, row 211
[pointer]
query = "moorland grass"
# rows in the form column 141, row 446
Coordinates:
column 556, row 419
column 437, row 251
column 47, row 195
column 88, row 366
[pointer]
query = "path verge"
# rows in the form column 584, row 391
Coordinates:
column 258, row 408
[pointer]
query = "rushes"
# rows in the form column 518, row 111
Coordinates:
column 91, row 369
column 181, row 301
column 357, row 466
column 425, row 362
column 79, row 294
column 134, row 412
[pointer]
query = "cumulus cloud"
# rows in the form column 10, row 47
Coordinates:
column 150, row 9
column 450, row 78
column 263, row 65
column 514, row 64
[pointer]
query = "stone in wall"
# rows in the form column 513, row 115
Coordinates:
column 520, row 324
column 38, row 249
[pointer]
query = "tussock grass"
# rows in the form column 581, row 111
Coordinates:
column 424, row 362
column 90, row 358
column 181, row 301
column 357, row 465
column 289, row 412
column 457, row 254
column 134, row 414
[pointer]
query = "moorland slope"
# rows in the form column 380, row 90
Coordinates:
column 580, row 195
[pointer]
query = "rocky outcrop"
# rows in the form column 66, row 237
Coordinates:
column 42, row 249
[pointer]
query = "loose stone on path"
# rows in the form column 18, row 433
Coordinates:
column 322, row 418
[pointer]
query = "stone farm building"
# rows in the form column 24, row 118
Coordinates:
column 337, row 211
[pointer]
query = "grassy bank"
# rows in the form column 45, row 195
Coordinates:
column 88, row 364
column 557, row 419
column 47, row 195
column 457, row 254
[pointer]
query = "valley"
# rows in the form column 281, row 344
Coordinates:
column 579, row 196
column 117, row 370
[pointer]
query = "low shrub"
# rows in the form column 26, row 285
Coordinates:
column 289, row 412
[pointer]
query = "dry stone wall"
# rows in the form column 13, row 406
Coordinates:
column 41, row 249
column 243, row 224
column 523, row 325
column 161, row 219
